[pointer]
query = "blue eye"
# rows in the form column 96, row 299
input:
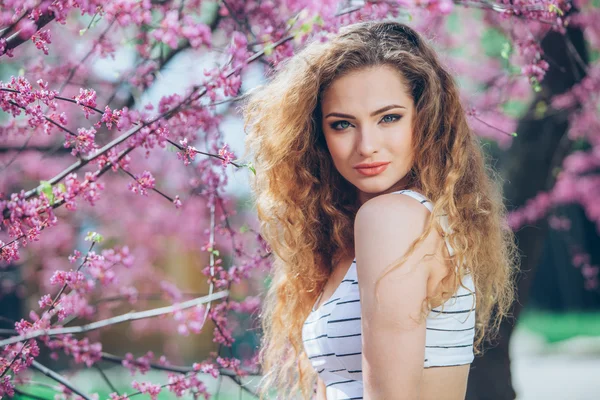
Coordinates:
column 394, row 117
column 337, row 124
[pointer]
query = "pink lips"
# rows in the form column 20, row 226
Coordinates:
column 372, row 169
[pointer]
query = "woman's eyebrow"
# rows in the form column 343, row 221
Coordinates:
column 374, row 113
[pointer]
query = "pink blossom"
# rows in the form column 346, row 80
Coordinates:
column 188, row 154
column 198, row 34
column 82, row 351
column 141, row 364
column 109, row 117
column 86, row 98
column 142, row 183
column 45, row 301
column 6, row 387
column 177, row 202
column 41, row 39
column 83, row 143
column 147, row 388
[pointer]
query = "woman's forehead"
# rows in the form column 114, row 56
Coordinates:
column 365, row 87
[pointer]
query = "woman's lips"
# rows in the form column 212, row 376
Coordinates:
column 373, row 170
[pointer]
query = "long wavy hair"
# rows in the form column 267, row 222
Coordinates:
column 306, row 208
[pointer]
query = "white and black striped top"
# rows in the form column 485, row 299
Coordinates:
column 332, row 333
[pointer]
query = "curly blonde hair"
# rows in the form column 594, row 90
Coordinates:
column 306, row 208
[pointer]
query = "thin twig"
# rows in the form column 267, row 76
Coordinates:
column 131, row 316
column 188, row 371
column 153, row 189
column 108, row 382
column 58, row 378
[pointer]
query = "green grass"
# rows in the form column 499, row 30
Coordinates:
column 556, row 327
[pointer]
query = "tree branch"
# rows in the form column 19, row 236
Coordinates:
column 131, row 316
column 16, row 40
column 58, row 378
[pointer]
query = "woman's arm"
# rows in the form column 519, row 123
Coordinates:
column 321, row 394
column 393, row 331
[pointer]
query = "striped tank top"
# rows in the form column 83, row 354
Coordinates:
column 331, row 334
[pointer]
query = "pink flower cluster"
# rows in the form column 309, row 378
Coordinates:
column 82, row 144
column 140, row 364
column 128, row 12
column 19, row 95
column 109, row 117
column 190, row 320
column 580, row 93
column 590, row 272
column 41, row 39
column 188, row 154
column 231, row 363
column 89, row 189
column 172, row 29
column 218, row 79
column 3, row 48
column 25, row 219
column 207, row 367
column 227, row 155
column 19, row 357
column 87, row 99
column 82, row 351
column 73, row 279
column 535, row 66
column 147, row 388
column 143, row 183
column 222, row 333
column 6, row 387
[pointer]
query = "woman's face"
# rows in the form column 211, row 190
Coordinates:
column 367, row 118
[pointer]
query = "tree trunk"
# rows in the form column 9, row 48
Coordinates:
column 527, row 168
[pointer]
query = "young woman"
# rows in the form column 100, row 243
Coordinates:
column 388, row 232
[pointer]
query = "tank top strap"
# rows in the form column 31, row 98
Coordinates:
column 427, row 203
column 417, row 196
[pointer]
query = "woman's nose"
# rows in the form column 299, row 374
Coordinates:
column 367, row 142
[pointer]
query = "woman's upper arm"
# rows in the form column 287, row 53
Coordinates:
column 393, row 331
column 321, row 390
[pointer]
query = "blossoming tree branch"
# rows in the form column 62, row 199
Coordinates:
column 108, row 196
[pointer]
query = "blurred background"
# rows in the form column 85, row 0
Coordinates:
column 555, row 345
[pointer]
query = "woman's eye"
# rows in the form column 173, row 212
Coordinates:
column 390, row 118
column 339, row 125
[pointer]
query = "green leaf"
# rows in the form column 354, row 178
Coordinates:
column 46, row 188
column 535, row 84
column 553, row 8
column 251, row 167
column 506, row 50
column 514, row 108
column 494, row 43
column 540, row 109
column 244, row 228
column 580, row 144
column 306, row 27
column 94, row 237
column 216, row 252
column 269, row 49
